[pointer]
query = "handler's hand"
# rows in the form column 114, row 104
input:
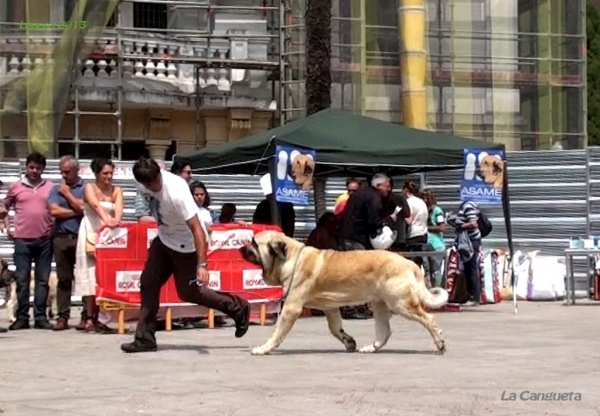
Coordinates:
column 203, row 276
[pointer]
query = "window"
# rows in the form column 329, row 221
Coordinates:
column 86, row 151
column 150, row 15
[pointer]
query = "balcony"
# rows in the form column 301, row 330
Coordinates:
column 160, row 65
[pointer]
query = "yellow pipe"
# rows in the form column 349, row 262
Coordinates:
column 412, row 22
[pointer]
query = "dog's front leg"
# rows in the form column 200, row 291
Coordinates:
column 289, row 314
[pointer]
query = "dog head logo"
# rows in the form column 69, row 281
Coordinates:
column 491, row 171
column 302, row 170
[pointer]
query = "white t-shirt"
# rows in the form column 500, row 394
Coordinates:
column 172, row 207
column 419, row 213
column 205, row 220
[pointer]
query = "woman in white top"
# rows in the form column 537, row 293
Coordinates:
column 417, row 232
column 202, row 198
column 103, row 206
column 207, row 219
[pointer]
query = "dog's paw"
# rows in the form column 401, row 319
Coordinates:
column 368, row 349
column 441, row 348
column 349, row 343
column 259, row 351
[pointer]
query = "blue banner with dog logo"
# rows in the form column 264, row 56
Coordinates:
column 483, row 176
column 294, row 170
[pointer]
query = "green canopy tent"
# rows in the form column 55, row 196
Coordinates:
column 345, row 143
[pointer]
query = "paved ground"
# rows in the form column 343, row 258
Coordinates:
column 546, row 348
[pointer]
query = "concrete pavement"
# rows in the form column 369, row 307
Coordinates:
column 547, row 348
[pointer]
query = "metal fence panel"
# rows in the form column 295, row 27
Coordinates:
column 555, row 195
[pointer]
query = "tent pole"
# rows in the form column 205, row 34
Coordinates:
column 508, row 226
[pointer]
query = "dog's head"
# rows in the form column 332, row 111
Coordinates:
column 302, row 170
column 7, row 276
column 491, row 170
column 269, row 250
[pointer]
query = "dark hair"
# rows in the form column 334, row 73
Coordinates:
column 325, row 218
column 429, row 198
column 177, row 167
column 412, row 187
column 37, row 158
column 352, row 180
column 197, row 184
column 145, row 170
column 98, row 164
column 227, row 211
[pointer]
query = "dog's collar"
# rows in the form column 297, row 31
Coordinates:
column 287, row 292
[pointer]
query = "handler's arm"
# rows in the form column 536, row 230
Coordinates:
column 190, row 212
column 199, row 238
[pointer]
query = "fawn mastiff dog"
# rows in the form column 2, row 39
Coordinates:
column 327, row 279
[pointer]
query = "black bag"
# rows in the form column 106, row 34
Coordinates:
column 484, row 224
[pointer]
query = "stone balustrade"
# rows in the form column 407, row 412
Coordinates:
column 149, row 52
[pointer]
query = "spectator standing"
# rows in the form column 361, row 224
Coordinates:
column 436, row 225
column 417, row 232
column 142, row 209
column 33, row 240
column 65, row 204
column 468, row 243
column 363, row 215
column 103, row 206
column 352, row 185
column 262, row 215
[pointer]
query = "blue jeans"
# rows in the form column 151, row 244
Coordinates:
column 471, row 270
column 40, row 252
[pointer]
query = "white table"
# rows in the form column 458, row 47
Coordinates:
column 569, row 254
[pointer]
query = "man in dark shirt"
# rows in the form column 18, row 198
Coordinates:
column 65, row 204
column 391, row 204
column 362, row 219
column 364, row 215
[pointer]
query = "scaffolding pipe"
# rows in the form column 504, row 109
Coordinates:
column 197, row 129
column 76, row 120
column 120, row 87
column 282, row 69
column 412, row 23
column 210, row 62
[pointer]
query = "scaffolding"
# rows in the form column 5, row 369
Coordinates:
column 467, row 42
column 284, row 64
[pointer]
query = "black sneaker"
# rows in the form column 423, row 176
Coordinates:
column 42, row 324
column 135, row 346
column 243, row 322
column 19, row 324
column 3, row 330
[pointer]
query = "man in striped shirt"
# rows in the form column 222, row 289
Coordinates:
column 468, row 215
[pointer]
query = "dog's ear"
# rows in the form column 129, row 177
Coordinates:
column 278, row 249
column 3, row 263
column 308, row 167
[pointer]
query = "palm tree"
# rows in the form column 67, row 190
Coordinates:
column 318, row 55
column 318, row 73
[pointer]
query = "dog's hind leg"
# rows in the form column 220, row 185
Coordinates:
column 415, row 312
column 334, row 320
column 289, row 314
column 381, row 315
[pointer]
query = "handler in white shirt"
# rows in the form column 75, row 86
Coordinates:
column 179, row 250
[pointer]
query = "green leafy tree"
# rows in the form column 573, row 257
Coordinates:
column 593, row 75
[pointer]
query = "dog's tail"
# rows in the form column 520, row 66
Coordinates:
column 433, row 298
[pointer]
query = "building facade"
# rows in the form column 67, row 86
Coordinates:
column 164, row 77
column 170, row 77
column 497, row 70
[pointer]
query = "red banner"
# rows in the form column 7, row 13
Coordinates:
column 121, row 254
